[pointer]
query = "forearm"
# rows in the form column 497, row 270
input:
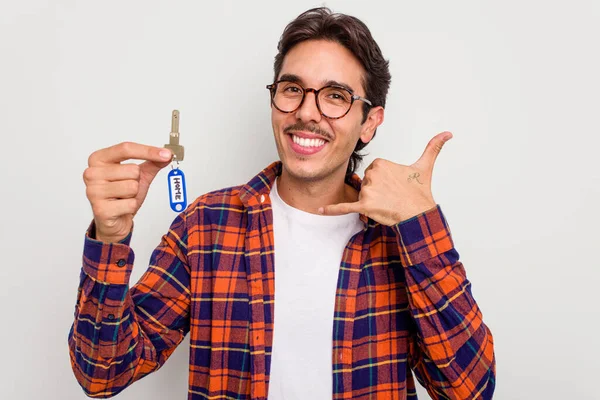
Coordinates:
column 115, row 338
column 107, row 346
column 453, row 353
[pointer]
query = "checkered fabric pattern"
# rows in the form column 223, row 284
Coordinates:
column 403, row 305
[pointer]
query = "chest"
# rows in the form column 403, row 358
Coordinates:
column 234, row 297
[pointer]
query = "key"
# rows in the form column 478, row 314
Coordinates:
column 173, row 145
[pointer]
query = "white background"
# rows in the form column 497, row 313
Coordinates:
column 515, row 81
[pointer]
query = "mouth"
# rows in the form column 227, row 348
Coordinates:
column 306, row 144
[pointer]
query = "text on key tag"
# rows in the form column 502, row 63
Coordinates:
column 177, row 192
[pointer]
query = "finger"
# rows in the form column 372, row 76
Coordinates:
column 113, row 190
column 151, row 168
column 368, row 168
column 341, row 208
column 378, row 162
column 111, row 173
column 127, row 151
column 434, row 147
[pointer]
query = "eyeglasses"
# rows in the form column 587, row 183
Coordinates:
column 333, row 101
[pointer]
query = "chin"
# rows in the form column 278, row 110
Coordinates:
column 307, row 170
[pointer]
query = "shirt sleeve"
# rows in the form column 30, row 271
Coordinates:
column 452, row 353
column 122, row 334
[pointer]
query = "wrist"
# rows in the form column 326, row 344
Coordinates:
column 417, row 211
column 104, row 238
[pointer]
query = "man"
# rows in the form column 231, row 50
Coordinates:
column 368, row 284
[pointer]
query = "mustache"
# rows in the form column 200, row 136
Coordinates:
column 301, row 126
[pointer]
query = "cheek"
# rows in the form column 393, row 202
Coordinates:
column 347, row 133
column 280, row 120
column 275, row 118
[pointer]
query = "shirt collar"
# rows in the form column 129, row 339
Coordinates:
column 253, row 192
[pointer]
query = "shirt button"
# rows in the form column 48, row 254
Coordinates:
column 111, row 316
column 262, row 198
column 121, row 263
column 341, row 357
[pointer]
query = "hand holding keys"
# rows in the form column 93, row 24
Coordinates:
column 116, row 191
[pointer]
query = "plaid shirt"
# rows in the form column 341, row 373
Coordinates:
column 403, row 302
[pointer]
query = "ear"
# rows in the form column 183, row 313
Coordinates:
column 374, row 119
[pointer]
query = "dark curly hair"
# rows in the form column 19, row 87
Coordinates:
column 353, row 34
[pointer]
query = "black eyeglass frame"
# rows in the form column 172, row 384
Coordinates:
column 273, row 88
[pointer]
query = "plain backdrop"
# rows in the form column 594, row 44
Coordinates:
column 515, row 81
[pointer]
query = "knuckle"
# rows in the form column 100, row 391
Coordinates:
column 133, row 186
column 92, row 158
column 126, row 147
column 89, row 193
column 93, row 192
column 150, row 153
column 88, row 175
column 135, row 171
column 435, row 145
column 132, row 206
column 369, row 175
column 99, row 211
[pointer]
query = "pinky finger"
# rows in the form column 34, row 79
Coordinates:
column 124, row 206
column 114, row 208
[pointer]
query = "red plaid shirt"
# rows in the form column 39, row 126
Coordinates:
column 403, row 303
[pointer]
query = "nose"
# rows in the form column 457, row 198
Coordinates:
column 308, row 110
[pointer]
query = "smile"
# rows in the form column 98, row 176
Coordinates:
column 306, row 146
column 308, row 142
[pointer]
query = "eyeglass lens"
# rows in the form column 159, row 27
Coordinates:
column 332, row 101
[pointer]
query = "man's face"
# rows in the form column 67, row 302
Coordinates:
column 315, row 64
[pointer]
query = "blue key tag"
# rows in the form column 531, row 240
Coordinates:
column 177, row 193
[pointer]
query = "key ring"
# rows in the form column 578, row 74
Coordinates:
column 174, row 159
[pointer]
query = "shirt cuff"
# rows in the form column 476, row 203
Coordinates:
column 107, row 262
column 423, row 237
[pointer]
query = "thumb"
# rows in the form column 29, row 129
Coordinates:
column 341, row 208
column 433, row 149
column 149, row 169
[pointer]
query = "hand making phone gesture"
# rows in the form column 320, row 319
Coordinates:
column 391, row 192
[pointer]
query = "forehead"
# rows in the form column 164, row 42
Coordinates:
column 317, row 62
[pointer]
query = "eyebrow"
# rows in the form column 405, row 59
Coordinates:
column 296, row 79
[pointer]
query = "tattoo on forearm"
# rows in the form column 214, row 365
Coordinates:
column 414, row 176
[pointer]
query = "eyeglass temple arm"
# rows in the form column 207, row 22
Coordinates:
column 357, row 97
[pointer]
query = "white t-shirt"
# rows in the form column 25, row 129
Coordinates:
column 308, row 253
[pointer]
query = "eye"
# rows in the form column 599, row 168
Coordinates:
column 292, row 89
column 289, row 88
column 337, row 95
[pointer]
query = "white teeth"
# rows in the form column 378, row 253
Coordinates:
column 308, row 142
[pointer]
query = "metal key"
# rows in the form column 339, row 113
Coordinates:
column 173, row 145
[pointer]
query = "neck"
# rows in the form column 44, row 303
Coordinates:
column 308, row 196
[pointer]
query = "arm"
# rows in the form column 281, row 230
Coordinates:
column 122, row 334
column 452, row 353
